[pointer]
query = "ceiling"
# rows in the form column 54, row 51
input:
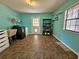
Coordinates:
column 40, row 6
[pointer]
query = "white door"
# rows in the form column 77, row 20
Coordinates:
column 35, row 25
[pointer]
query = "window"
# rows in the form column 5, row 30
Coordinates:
column 35, row 21
column 72, row 18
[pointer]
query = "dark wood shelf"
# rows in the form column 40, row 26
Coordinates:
column 47, row 27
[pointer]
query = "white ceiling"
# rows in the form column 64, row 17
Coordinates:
column 43, row 6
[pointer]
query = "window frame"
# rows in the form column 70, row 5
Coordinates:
column 76, row 18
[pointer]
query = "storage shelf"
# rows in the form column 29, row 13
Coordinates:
column 47, row 27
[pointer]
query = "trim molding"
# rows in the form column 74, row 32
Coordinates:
column 67, row 46
column 32, row 33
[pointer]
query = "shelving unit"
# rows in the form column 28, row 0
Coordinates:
column 4, row 42
column 47, row 30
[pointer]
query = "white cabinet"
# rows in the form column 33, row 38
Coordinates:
column 4, row 42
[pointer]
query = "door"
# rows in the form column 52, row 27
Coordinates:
column 35, row 25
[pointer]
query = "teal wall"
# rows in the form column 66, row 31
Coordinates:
column 26, row 19
column 68, row 37
column 5, row 16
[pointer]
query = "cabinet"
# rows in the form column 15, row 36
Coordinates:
column 47, row 30
column 4, row 42
column 20, row 34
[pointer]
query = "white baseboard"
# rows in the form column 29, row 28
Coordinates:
column 32, row 33
column 67, row 46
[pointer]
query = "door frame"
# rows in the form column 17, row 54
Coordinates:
column 32, row 24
